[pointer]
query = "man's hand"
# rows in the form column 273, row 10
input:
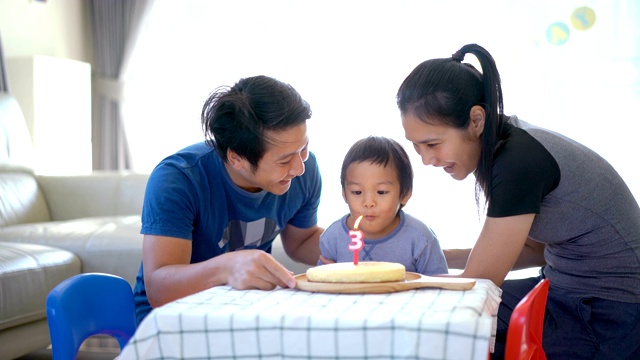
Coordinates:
column 169, row 275
column 256, row 269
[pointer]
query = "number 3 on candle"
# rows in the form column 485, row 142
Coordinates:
column 356, row 240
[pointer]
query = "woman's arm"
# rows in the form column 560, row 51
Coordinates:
column 456, row 258
column 532, row 255
column 499, row 246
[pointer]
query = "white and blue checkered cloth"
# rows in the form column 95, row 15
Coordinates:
column 223, row 323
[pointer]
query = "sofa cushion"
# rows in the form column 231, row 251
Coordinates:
column 21, row 200
column 27, row 273
column 110, row 245
column 99, row 194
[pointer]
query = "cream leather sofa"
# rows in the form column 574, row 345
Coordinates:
column 53, row 227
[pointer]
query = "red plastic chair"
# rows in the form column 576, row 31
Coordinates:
column 524, row 337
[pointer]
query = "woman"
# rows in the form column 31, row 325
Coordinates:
column 550, row 202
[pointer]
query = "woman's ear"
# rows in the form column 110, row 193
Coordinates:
column 477, row 116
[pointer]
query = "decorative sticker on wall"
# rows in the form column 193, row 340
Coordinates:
column 583, row 18
column 558, row 33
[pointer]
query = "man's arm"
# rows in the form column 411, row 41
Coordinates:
column 302, row 245
column 169, row 275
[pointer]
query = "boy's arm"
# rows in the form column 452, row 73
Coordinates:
column 302, row 245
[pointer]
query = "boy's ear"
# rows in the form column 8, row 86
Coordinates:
column 344, row 195
column 405, row 199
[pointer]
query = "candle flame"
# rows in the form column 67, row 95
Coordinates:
column 355, row 226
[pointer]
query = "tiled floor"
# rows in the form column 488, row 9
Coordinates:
column 95, row 348
column 82, row 355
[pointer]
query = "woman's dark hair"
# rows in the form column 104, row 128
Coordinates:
column 237, row 117
column 443, row 91
column 381, row 151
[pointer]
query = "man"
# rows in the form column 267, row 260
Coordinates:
column 212, row 210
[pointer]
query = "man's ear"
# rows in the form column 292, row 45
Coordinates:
column 477, row 116
column 236, row 161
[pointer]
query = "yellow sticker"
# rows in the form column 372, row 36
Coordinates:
column 583, row 18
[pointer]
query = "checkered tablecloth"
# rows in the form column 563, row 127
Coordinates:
column 223, row 323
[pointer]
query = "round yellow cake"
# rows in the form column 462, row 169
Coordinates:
column 364, row 272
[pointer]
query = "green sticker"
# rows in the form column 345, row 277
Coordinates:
column 557, row 33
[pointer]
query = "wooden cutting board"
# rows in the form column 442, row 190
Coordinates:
column 412, row 281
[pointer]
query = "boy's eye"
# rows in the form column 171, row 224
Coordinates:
column 356, row 192
column 382, row 192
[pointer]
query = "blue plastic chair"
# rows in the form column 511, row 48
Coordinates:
column 89, row 304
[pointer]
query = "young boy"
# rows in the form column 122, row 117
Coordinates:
column 377, row 181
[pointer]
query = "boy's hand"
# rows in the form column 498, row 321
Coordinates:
column 325, row 260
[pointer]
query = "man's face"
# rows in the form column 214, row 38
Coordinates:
column 283, row 160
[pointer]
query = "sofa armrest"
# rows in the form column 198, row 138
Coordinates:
column 98, row 194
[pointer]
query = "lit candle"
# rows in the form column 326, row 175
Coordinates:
column 357, row 240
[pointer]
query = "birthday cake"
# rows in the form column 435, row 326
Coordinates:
column 364, row 272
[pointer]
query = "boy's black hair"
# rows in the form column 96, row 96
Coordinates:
column 381, row 151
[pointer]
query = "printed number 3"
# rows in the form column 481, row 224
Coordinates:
column 356, row 240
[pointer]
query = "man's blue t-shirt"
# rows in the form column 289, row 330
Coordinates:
column 190, row 195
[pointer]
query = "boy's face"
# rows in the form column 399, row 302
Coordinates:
column 373, row 191
column 283, row 160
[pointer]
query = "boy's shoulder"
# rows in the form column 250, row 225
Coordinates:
column 337, row 225
column 419, row 225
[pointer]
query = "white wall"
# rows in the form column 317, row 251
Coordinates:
column 53, row 27
column 48, row 47
column 347, row 58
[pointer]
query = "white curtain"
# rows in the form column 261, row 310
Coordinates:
column 116, row 25
column 4, row 79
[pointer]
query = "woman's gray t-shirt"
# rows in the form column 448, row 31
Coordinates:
column 589, row 221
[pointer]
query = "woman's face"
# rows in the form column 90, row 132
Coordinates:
column 456, row 151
